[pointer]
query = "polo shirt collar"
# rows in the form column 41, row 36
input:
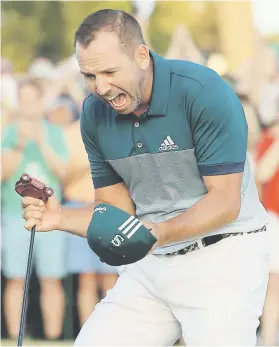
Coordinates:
column 161, row 87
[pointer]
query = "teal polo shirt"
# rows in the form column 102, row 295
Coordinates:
column 195, row 126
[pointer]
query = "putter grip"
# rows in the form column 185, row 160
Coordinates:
column 27, row 186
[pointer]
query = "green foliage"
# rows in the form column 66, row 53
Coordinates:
column 47, row 28
column 52, row 25
column 19, row 38
column 32, row 28
column 198, row 17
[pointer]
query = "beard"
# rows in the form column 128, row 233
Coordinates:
column 136, row 101
column 138, row 96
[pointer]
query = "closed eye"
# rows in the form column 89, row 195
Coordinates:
column 88, row 75
column 110, row 72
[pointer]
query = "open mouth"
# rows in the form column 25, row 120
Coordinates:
column 118, row 101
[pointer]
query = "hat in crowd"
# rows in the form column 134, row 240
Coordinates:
column 65, row 101
column 42, row 68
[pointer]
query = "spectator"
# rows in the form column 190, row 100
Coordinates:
column 57, row 83
column 267, row 175
column 38, row 148
column 254, row 124
column 41, row 68
column 183, row 47
column 78, row 190
column 63, row 111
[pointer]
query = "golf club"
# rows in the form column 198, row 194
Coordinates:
column 27, row 186
column 26, row 288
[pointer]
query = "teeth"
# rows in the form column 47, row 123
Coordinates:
column 113, row 97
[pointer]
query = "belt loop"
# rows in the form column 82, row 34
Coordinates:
column 200, row 244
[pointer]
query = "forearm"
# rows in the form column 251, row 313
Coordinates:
column 10, row 161
column 210, row 213
column 77, row 220
column 269, row 163
column 58, row 166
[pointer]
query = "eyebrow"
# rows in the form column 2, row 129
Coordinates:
column 104, row 70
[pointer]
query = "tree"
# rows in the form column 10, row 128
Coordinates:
column 30, row 29
column 198, row 17
column 19, row 36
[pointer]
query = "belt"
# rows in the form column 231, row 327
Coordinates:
column 210, row 240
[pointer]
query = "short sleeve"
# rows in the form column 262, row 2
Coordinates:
column 219, row 130
column 101, row 171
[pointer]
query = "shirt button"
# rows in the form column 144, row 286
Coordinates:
column 136, row 124
column 139, row 144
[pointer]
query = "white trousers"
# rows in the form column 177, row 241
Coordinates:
column 212, row 296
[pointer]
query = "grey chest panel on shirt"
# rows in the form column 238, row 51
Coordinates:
column 163, row 184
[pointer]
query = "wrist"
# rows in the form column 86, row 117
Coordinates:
column 160, row 232
column 163, row 234
column 60, row 223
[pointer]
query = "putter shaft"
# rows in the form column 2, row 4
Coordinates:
column 26, row 288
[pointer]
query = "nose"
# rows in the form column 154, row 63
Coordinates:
column 102, row 86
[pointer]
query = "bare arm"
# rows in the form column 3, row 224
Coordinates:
column 51, row 216
column 12, row 154
column 218, row 207
column 57, row 165
column 268, row 164
column 77, row 220
column 10, row 161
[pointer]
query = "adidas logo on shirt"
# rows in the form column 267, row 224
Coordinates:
column 167, row 144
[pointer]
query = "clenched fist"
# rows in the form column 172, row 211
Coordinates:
column 46, row 216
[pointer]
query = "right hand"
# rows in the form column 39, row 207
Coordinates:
column 46, row 216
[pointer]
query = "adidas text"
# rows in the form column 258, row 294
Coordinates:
column 100, row 209
column 167, row 147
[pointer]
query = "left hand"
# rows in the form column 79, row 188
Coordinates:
column 158, row 231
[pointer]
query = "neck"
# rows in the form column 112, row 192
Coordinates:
column 147, row 91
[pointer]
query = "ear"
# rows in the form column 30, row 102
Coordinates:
column 142, row 57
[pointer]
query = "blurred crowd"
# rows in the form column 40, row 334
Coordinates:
column 40, row 113
column 41, row 136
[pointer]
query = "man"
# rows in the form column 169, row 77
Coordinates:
column 37, row 147
column 166, row 141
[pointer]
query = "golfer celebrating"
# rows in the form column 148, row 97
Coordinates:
column 176, row 205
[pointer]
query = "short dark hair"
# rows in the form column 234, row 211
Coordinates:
column 123, row 24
